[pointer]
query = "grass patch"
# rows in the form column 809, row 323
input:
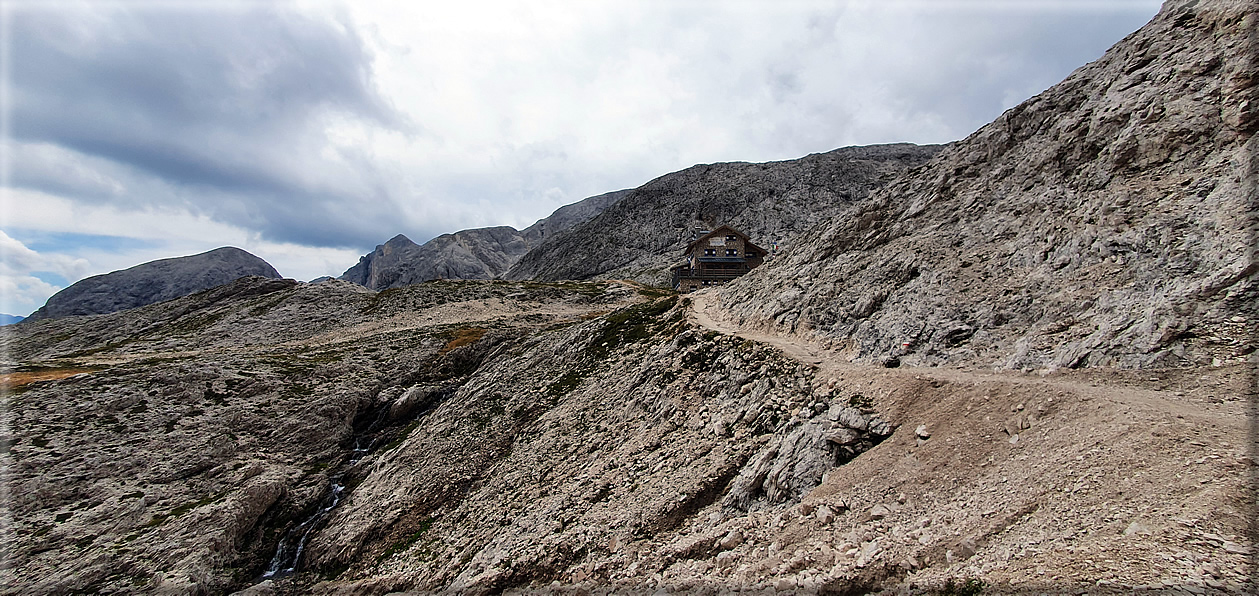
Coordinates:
column 970, row 587
column 654, row 292
column 633, row 324
column 381, row 299
column 21, row 378
column 406, row 542
column 185, row 508
column 402, row 436
column 566, row 383
column 460, row 337
column 193, row 323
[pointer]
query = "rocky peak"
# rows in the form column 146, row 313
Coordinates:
column 481, row 253
column 155, row 281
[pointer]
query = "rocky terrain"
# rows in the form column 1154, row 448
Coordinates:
column 482, row 253
column 487, row 436
column 1109, row 221
column 641, row 236
column 172, row 445
column 152, row 282
column 1026, row 366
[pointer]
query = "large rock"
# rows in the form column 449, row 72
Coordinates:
column 1108, row 221
column 155, row 281
column 482, row 253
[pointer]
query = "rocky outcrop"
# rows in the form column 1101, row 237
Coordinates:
column 1109, row 221
column 152, row 282
column 642, row 235
column 469, row 254
column 568, row 216
column 482, row 253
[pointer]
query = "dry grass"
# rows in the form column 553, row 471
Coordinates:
column 13, row 380
column 462, row 337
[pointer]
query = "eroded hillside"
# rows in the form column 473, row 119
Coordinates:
column 1024, row 367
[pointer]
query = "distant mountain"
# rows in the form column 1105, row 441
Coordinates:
column 10, row 319
column 155, row 281
column 641, row 235
column 482, row 253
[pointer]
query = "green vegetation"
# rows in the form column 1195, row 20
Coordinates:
column 193, row 323
column 381, row 299
column 971, row 587
column 634, row 324
column 185, row 508
column 265, row 304
column 402, row 436
column 860, row 401
column 654, row 292
column 567, row 383
column 406, row 542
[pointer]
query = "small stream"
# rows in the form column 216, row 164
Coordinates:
column 288, row 553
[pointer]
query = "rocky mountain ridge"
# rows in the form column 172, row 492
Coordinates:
column 482, row 253
column 1108, row 221
column 152, row 282
column 641, row 236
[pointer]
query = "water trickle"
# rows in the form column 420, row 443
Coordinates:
column 289, row 552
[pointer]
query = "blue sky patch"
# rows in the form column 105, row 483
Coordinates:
column 49, row 277
column 43, row 241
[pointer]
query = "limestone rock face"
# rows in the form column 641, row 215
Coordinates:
column 1107, row 221
column 467, row 254
column 152, row 282
column 482, row 253
column 642, row 235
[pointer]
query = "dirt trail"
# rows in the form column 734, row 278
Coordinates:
column 831, row 363
column 1129, row 478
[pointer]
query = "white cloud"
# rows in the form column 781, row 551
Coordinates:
column 20, row 291
column 22, row 294
column 17, row 259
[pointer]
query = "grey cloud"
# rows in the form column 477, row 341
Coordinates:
column 230, row 102
column 963, row 71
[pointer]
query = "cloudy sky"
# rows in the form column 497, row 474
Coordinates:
column 309, row 132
